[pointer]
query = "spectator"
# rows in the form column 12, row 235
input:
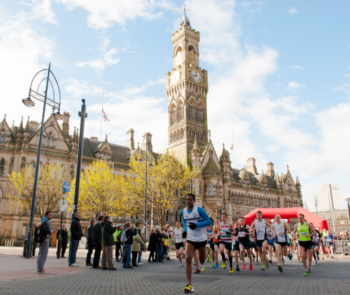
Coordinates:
column 64, row 240
column 117, row 242
column 128, row 232
column 45, row 229
column 90, row 243
column 142, row 248
column 34, row 241
column 108, row 242
column 76, row 234
column 152, row 246
column 135, row 248
column 159, row 236
column 97, row 241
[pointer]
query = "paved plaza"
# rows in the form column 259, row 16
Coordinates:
column 18, row 276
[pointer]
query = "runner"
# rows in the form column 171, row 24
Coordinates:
column 329, row 243
column 195, row 219
column 236, row 246
column 316, row 247
column 216, row 242
column 305, row 231
column 259, row 225
column 179, row 244
column 271, row 244
column 280, row 229
column 253, row 247
column 244, row 243
column 211, row 245
column 226, row 230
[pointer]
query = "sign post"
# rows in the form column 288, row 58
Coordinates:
column 63, row 208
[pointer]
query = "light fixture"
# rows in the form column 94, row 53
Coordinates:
column 28, row 102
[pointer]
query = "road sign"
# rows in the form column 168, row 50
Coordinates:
column 66, row 186
column 63, row 206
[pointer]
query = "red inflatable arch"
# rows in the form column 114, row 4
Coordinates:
column 287, row 213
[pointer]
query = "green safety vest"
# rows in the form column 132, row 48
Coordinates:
column 116, row 234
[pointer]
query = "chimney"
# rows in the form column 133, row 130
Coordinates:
column 251, row 167
column 130, row 143
column 33, row 125
column 94, row 138
column 148, row 141
column 65, row 124
column 270, row 170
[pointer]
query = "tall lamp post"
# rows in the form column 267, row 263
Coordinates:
column 83, row 115
column 348, row 201
column 35, row 93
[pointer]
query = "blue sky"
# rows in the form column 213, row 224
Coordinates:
column 279, row 74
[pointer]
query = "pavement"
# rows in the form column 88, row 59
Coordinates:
column 18, row 276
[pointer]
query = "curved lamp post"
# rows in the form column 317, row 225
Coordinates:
column 54, row 102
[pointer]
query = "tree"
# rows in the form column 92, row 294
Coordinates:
column 49, row 189
column 167, row 181
column 101, row 192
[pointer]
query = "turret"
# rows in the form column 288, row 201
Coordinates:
column 225, row 160
column 196, row 154
column 130, row 143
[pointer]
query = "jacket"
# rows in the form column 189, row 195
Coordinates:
column 46, row 228
column 152, row 246
column 159, row 236
column 90, row 233
column 136, row 244
column 75, row 229
column 116, row 234
column 107, row 234
column 129, row 235
column 97, row 232
column 65, row 235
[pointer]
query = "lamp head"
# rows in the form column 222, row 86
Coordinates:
column 28, row 102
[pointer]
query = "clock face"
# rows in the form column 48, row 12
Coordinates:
column 178, row 58
column 175, row 77
column 196, row 76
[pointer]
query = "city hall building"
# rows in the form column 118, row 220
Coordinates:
column 218, row 188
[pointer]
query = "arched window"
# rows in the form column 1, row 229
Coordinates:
column 172, row 114
column 2, row 166
column 180, row 111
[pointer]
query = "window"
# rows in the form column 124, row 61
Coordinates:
column 4, row 138
column 2, row 165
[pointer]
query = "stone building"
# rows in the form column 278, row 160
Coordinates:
column 219, row 187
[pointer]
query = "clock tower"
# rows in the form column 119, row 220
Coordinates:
column 186, row 89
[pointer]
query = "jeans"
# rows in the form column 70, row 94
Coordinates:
column 98, row 246
column 159, row 252
column 89, row 253
column 43, row 251
column 73, row 247
column 126, row 255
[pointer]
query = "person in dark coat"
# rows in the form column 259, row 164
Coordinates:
column 108, row 243
column 159, row 248
column 152, row 246
column 97, row 241
column 65, row 236
column 90, row 243
column 75, row 236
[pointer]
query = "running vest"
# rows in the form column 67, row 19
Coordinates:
column 178, row 235
column 315, row 239
column 225, row 233
column 260, row 230
column 210, row 233
column 278, row 229
column 216, row 234
column 195, row 235
column 303, row 230
column 241, row 234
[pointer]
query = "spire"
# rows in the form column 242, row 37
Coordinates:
column 27, row 126
column 75, row 136
column 185, row 21
column 195, row 145
column 20, row 130
column 297, row 182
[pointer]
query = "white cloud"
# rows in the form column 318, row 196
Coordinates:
column 293, row 11
column 296, row 67
column 42, row 9
column 106, row 13
column 100, row 64
column 294, row 85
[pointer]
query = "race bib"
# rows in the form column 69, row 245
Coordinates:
column 260, row 234
column 281, row 238
column 251, row 239
column 241, row 234
column 216, row 236
column 304, row 233
column 179, row 236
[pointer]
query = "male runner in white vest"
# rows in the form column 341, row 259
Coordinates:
column 195, row 220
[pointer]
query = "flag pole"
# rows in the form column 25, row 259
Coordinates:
column 233, row 150
column 103, row 93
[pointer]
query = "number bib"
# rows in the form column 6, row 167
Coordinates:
column 260, row 234
column 281, row 238
column 241, row 234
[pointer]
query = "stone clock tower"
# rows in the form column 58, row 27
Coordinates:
column 186, row 89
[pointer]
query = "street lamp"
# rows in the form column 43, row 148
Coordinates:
column 56, row 104
column 348, row 201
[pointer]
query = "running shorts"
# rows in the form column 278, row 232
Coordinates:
column 179, row 245
column 329, row 245
column 212, row 246
column 236, row 247
column 197, row 245
column 307, row 245
column 228, row 246
column 282, row 244
column 245, row 245
column 259, row 243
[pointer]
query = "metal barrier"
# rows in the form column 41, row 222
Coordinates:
column 342, row 247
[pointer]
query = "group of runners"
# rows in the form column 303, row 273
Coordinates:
column 200, row 241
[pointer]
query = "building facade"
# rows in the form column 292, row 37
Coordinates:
column 341, row 220
column 218, row 188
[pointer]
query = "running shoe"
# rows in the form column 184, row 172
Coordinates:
column 306, row 273
column 250, row 267
column 197, row 271
column 280, row 268
column 203, row 268
column 316, row 261
column 213, row 264
column 231, row 269
column 189, row 289
column 223, row 265
column 237, row 268
column 290, row 257
column 181, row 265
column 267, row 264
column 309, row 270
column 262, row 267
column 244, row 266
column 318, row 256
column 270, row 261
column 216, row 266
column 209, row 259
